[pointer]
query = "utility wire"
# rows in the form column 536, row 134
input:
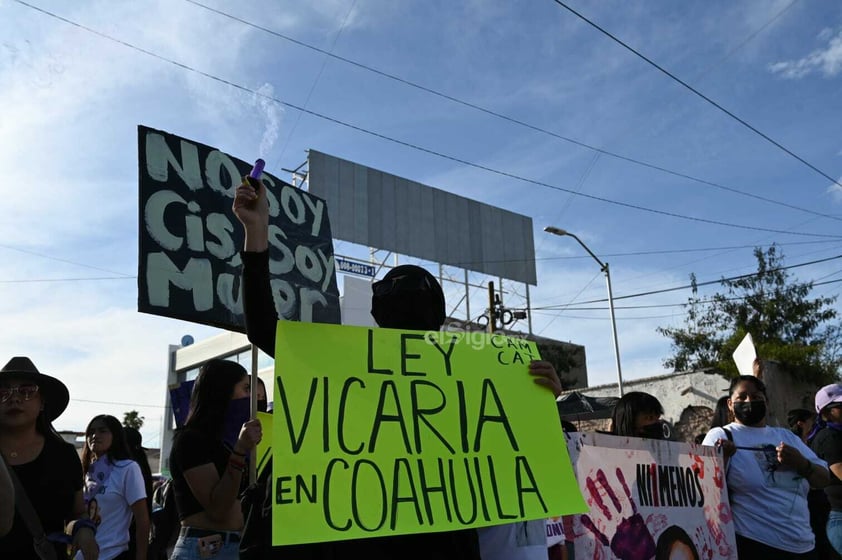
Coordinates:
column 697, row 284
column 687, row 250
column 569, row 257
column 563, row 312
column 415, row 146
column 557, row 301
column 749, row 38
column 584, row 318
column 40, row 280
column 571, row 301
column 121, row 403
column 25, row 251
column 316, row 81
column 698, row 93
column 661, row 305
column 512, row 119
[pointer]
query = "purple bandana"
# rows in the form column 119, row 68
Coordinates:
column 98, row 474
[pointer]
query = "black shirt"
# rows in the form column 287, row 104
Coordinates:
column 51, row 481
column 261, row 322
column 828, row 446
column 191, row 449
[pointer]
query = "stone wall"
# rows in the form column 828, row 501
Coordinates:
column 689, row 398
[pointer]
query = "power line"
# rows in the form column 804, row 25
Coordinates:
column 585, row 287
column 686, row 250
column 661, row 305
column 706, row 283
column 514, row 120
column 417, row 147
column 316, row 81
column 33, row 280
column 563, row 312
column 749, row 38
column 567, row 257
column 731, row 270
column 551, row 301
column 121, row 403
column 557, row 315
column 25, row 251
column 698, row 93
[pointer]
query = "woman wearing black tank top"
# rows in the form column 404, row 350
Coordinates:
column 208, row 470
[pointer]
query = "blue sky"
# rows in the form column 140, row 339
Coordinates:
column 72, row 100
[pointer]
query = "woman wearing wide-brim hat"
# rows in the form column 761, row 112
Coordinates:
column 48, row 468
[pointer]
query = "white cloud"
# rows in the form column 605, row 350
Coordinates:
column 826, row 60
column 835, row 192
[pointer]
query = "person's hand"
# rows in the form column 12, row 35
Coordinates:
column 250, row 435
column 727, row 446
column 545, row 375
column 251, row 207
column 789, row 456
column 85, row 541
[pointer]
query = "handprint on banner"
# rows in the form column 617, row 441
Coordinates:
column 717, row 518
column 632, row 539
column 703, row 537
column 699, row 466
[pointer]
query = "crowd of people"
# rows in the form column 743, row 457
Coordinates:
column 785, row 484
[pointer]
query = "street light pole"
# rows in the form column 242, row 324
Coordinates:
column 604, row 268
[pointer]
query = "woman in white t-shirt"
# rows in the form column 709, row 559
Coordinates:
column 114, row 490
column 769, row 471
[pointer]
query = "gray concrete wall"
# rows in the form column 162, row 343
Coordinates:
column 689, row 398
column 676, row 391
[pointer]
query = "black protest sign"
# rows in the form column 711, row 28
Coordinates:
column 189, row 256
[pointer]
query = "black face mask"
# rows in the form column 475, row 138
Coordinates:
column 262, row 406
column 408, row 310
column 654, row 431
column 750, row 413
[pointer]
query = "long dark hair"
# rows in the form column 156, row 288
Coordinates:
column 668, row 538
column 211, row 396
column 628, row 407
column 796, row 415
column 118, row 450
column 44, row 427
column 134, row 441
column 721, row 414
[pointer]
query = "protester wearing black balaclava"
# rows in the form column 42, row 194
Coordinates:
column 408, row 297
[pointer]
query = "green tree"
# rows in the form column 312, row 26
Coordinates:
column 133, row 419
column 785, row 324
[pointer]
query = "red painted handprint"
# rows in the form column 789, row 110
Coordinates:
column 632, row 539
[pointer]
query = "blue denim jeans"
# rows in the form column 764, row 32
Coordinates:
column 187, row 548
column 834, row 530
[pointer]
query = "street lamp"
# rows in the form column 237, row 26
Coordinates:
column 604, row 267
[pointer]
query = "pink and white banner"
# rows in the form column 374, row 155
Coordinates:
column 650, row 499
